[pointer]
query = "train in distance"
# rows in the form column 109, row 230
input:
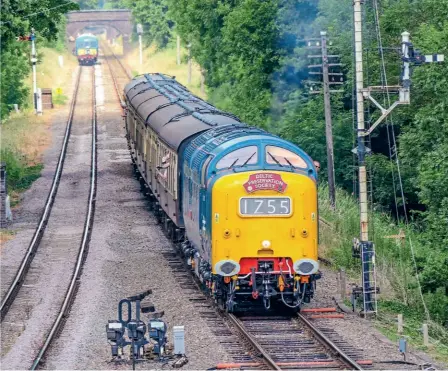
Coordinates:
column 240, row 203
column 86, row 49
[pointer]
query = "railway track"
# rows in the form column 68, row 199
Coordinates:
column 43, row 290
column 286, row 342
column 17, row 282
column 117, row 80
column 271, row 342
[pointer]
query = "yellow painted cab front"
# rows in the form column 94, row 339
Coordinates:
column 264, row 216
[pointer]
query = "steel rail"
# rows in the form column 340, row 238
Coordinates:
column 117, row 90
column 324, row 340
column 83, row 249
column 121, row 64
column 16, row 284
column 128, row 75
column 267, row 358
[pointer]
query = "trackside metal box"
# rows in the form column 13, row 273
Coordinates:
column 179, row 339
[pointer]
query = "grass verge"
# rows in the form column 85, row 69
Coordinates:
column 26, row 136
column 394, row 267
column 164, row 61
column 386, row 323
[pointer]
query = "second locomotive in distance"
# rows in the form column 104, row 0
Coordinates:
column 86, row 49
column 241, row 202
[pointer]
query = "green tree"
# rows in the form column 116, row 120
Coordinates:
column 17, row 18
column 199, row 23
column 88, row 4
column 111, row 4
column 153, row 16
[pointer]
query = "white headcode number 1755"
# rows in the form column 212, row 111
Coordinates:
column 265, row 206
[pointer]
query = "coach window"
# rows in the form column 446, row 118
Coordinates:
column 283, row 157
column 239, row 157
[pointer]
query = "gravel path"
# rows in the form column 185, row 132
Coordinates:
column 124, row 259
column 361, row 333
column 35, row 307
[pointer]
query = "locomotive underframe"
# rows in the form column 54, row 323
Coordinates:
column 269, row 292
column 87, row 60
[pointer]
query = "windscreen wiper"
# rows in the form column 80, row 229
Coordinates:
column 253, row 154
column 278, row 163
column 289, row 162
column 233, row 163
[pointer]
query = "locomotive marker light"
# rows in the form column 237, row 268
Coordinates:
column 306, row 267
column 227, row 268
column 266, row 244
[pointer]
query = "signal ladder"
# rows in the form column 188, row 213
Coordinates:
column 369, row 287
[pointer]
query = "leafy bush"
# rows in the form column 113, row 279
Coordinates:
column 20, row 175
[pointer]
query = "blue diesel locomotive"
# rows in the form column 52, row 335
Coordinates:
column 240, row 202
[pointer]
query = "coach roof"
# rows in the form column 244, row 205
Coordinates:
column 171, row 110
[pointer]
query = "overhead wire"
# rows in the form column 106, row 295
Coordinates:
column 391, row 149
column 389, row 127
column 384, row 73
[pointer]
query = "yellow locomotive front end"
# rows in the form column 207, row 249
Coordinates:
column 265, row 236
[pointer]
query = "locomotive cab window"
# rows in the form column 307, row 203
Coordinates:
column 283, row 157
column 239, row 157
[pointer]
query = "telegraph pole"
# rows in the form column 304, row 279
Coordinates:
column 202, row 81
column 178, row 51
column 328, row 79
column 328, row 123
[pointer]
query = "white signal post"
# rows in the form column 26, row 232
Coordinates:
column 140, row 32
column 365, row 246
column 409, row 56
column 360, row 121
column 36, row 98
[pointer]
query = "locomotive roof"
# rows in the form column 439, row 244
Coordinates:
column 171, row 110
column 87, row 37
